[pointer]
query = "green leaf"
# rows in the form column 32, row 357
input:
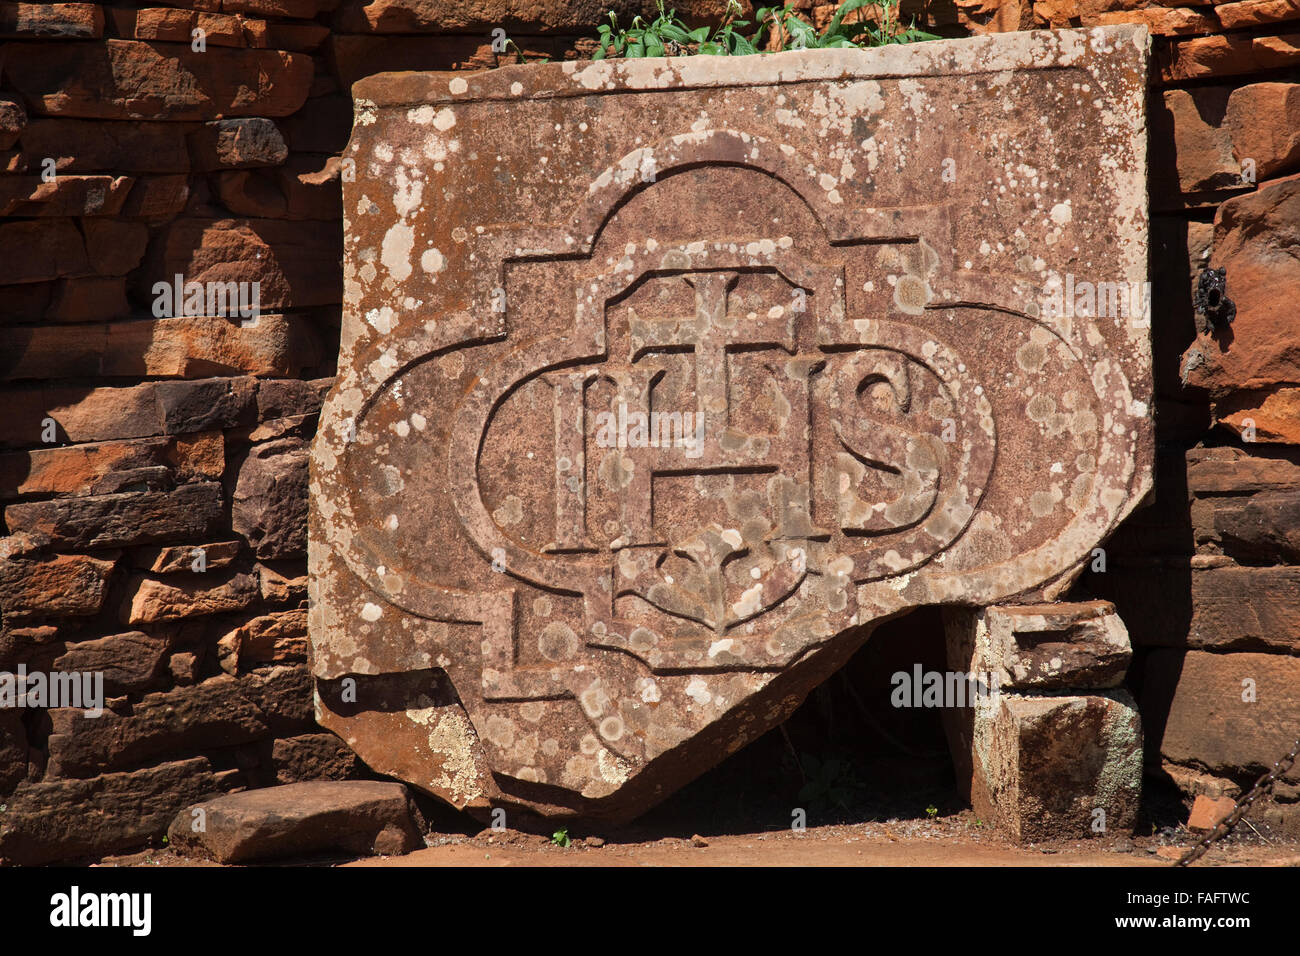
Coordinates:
column 699, row 35
column 674, row 33
column 653, row 45
column 848, row 7
column 635, row 49
column 600, row 53
column 710, row 48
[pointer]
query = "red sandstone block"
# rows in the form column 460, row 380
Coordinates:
column 132, row 79
column 129, row 662
column 77, row 469
column 1227, row 714
column 177, row 26
column 90, row 299
column 183, row 347
column 13, row 119
column 157, row 197
column 295, row 267
column 79, row 21
column 82, row 146
column 1229, row 55
column 1206, row 813
column 191, row 511
column 183, row 596
column 299, row 9
column 114, row 247
column 64, row 819
column 63, row 195
column 61, row 585
column 38, row 251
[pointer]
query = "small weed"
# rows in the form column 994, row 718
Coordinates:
column 560, row 837
column 932, row 811
column 778, row 28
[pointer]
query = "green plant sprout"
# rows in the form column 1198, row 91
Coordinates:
column 778, row 28
column 560, row 837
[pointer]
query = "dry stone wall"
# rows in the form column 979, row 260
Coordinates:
column 153, row 467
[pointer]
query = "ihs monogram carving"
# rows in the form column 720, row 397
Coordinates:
column 631, row 448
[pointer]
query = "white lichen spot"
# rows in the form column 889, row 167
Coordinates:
column 395, row 253
column 431, row 260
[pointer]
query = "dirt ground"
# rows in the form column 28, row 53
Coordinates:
column 950, row 842
column 956, row 840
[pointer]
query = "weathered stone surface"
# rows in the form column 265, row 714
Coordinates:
column 1230, row 714
column 354, row 816
column 1162, row 21
column 141, row 411
column 132, row 79
column 1264, row 121
column 274, row 638
column 302, row 9
column 13, row 120
column 178, row 26
column 62, row 585
column 114, row 247
column 1239, row 608
column 1260, row 529
column 1206, row 813
column 538, row 612
column 191, row 595
column 13, row 750
column 312, row 757
column 81, row 146
column 157, row 197
column 306, row 187
column 130, row 662
column 219, row 712
column 279, row 589
column 81, row 21
column 66, row 819
column 237, row 143
column 1261, row 416
column 1042, row 646
column 1040, row 767
column 282, row 398
column 1257, row 240
column 134, row 518
column 37, row 251
column 187, row 557
column 89, row 299
column 1250, row 13
column 64, row 196
column 198, row 406
column 1184, row 137
column 1211, row 133
column 294, row 267
column 1230, row 55
column 75, row 470
column 183, row 346
column 270, row 502
column 1228, row 470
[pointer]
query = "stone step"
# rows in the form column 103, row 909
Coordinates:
column 353, row 816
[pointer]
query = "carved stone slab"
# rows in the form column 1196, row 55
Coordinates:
column 662, row 381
